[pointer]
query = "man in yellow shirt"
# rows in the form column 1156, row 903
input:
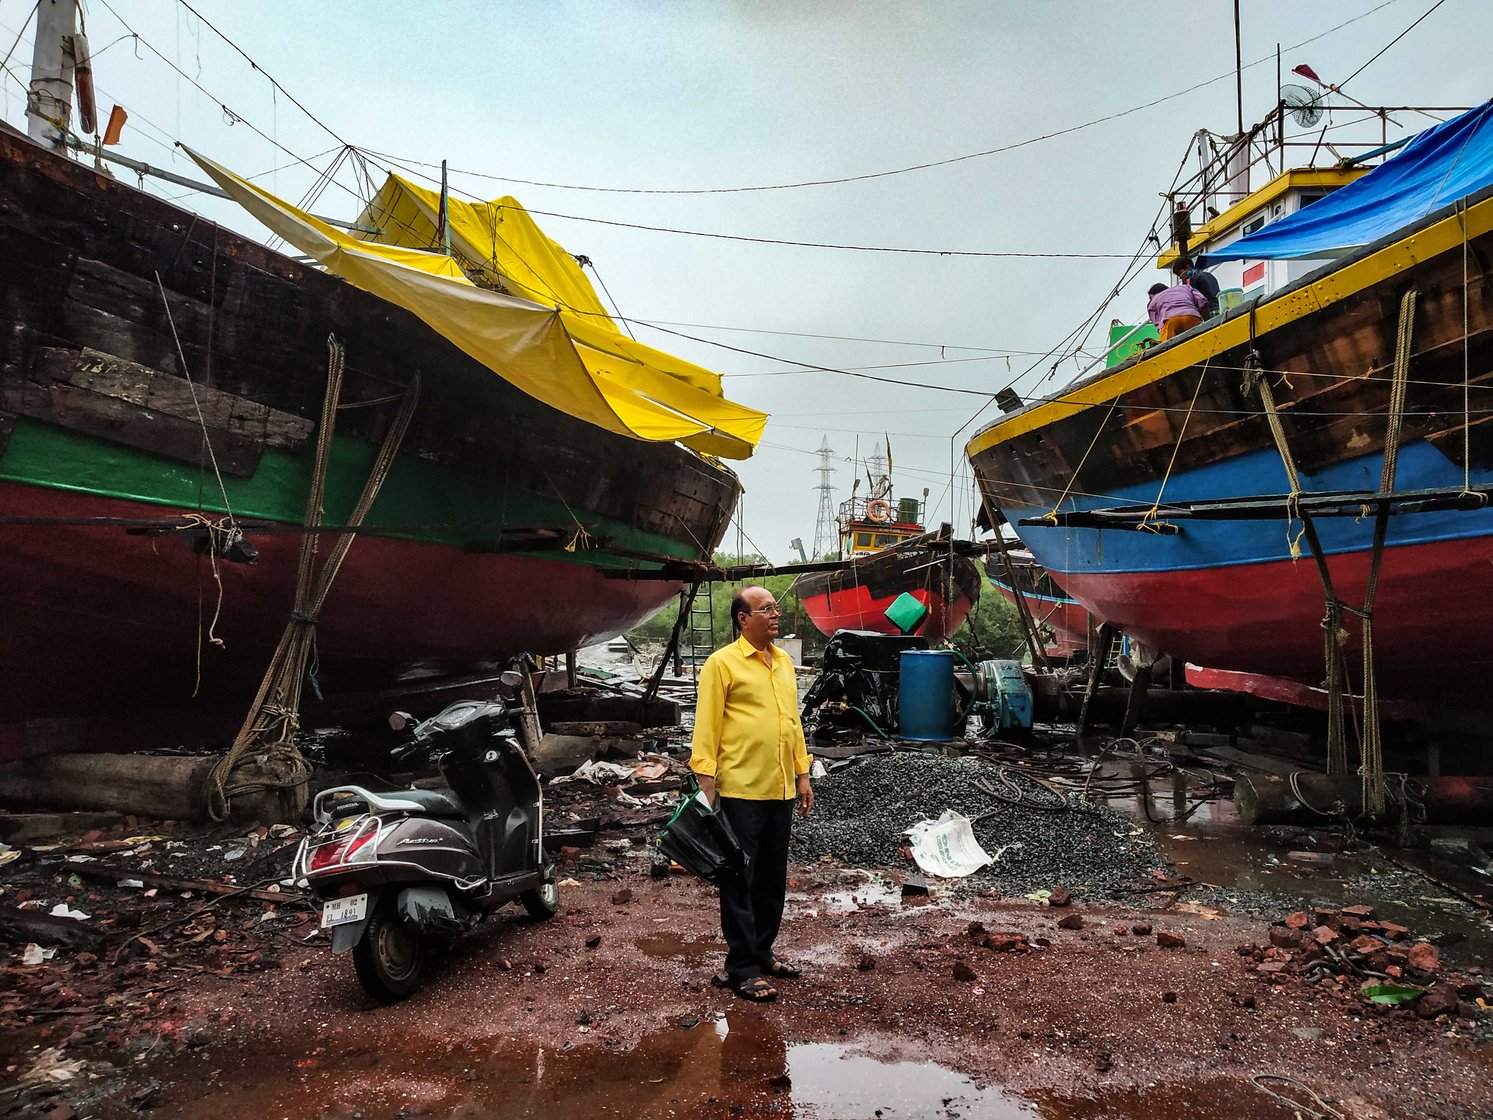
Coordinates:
column 749, row 749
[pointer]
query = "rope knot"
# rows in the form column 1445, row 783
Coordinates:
column 302, row 616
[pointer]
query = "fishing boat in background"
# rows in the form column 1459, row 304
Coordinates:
column 1065, row 619
column 161, row 391
column 890, row 553
column 1320, row 446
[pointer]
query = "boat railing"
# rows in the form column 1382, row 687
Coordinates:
column 879, row 510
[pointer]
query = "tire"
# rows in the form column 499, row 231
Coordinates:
column 390, row 958
column 543, row 900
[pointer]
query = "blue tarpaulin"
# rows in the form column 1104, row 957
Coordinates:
column 1439, row 166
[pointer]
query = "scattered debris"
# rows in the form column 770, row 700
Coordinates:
column 1350, row 952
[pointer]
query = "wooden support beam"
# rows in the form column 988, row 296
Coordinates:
column 162, row 787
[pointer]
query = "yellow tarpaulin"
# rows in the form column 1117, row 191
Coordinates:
column 550, row 338
column 500, row 241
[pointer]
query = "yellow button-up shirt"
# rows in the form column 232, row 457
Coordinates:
column 748, row 734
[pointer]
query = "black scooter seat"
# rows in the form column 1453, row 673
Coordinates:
column 436, row 802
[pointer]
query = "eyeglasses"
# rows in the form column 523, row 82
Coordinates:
column 774, row 609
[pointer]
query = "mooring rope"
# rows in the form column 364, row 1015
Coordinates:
column 274, row 717
column 1371, row 748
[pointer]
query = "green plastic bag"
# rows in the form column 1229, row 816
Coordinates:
column 699, row 839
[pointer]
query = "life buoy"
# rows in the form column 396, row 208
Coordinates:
column 878, row 509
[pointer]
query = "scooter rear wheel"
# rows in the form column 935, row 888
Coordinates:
column 543, row 900
column 390, row 957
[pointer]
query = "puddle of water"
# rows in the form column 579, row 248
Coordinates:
column 670, row 947
column 870, row 893
column 727, row 1067
column 832, row 1080
column 1214, row 847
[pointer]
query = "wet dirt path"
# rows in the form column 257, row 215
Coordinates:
column 524, row 1019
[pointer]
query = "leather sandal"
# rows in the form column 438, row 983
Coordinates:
column 755, row 990
column 784, row 970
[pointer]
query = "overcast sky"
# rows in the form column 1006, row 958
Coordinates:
column 701, row 95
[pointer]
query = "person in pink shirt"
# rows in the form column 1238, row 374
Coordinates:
column 1175, row 309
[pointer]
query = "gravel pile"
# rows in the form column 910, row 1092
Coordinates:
column 860, row 813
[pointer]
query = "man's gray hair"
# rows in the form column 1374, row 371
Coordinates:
column 739, row 604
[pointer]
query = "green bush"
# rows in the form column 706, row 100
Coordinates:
column 991, row 630
column 795, row 622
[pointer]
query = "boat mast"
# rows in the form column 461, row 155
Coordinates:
column 1238, row 70
column 443, row 226
column 49, row 100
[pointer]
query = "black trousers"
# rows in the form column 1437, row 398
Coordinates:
column 752, row 904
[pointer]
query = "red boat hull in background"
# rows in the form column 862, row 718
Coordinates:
column 856, row 609
column 857, row 597
column 1068, row 621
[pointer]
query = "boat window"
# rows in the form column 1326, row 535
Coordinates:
column 1255, row 226
column 863, row 540
column 881, row 540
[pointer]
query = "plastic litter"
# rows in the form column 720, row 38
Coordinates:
column 947, row 847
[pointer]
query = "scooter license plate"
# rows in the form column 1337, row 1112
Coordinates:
column 341, row 911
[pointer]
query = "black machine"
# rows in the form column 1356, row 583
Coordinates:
column 856, row 689
column 398, row 872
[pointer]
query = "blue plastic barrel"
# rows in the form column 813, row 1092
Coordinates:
column 925, row 694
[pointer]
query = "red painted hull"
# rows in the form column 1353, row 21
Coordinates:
column 100, row 620
column 1432, row 617
column 1068, row 621
column 856, row 608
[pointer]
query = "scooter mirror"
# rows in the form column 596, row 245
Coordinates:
column 398, row 721
column 511, row 678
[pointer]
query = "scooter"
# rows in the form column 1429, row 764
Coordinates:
column 398, row 873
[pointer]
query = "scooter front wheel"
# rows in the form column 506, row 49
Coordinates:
column 390, row 957
column 543, row 900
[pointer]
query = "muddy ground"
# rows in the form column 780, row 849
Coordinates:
column 961, row 1006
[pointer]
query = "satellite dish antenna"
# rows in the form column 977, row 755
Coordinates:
column 1305, row 104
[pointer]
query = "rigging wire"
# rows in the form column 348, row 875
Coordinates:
column 832, row 245
column 232, row 117
column 884, row 365
column 932, row 163
column 831, row 337
column 6, row 60
column 1389, row 44
column 261, row 70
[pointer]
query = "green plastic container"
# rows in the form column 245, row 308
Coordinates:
column 906, row 613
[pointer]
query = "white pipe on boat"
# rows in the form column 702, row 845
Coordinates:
column 49, row 100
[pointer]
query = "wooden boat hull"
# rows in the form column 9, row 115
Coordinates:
column 1067, row 619
column 1177, row 426
column 857, row 597
column 504, row 526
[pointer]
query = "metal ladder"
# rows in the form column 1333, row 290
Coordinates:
column 701, row 625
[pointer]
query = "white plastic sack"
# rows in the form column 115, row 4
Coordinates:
column 597, row 773
column 947, row 847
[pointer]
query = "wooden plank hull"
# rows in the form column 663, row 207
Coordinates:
column 1177, row 425
column 502, row 527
